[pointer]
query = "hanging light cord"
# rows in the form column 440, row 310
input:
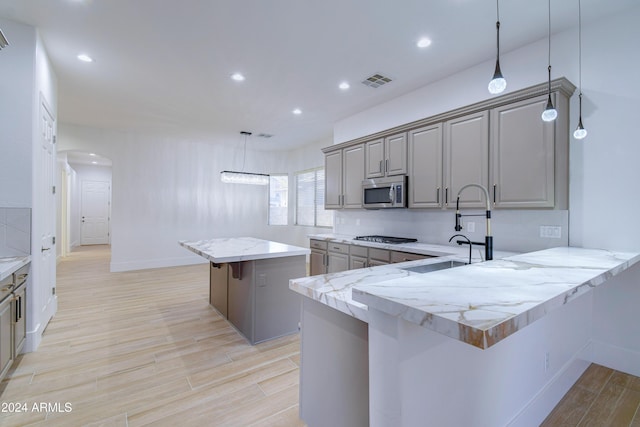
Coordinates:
column 580, row 53
column 498, row 27
column 549, row 50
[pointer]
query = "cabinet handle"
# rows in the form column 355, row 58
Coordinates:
column 438, row 195
column 386, row 165
column 446, row 196
column 380, row 167
column 494, row 193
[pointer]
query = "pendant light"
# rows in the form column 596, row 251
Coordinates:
column 233, row 177
column 549, row 114
column 3, row 41
column 497, row 83
column 580, row 132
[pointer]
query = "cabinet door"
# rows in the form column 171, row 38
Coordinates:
column 357, row 262
column 522, row 156
column 374, row 158
column 317, row 262
column 466, row 159
column 337, row 262
column 396, row 154
column 6, row 342
column 19, row 316
column 333, row 180
column 425, row 167
column 353, row 175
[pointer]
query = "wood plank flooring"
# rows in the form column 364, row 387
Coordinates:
column 145, row 348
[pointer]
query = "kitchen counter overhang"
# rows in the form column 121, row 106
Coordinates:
column 235, row 249
column 481, row 304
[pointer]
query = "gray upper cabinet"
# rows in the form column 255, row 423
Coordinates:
column 386, row 156
column 522, row 156
column 344, row 173
column 466, row 158
column 425, row 167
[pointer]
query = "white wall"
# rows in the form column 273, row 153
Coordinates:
column 16, row 106
column 167, row 189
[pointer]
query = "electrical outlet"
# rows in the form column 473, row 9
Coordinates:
column 551, row 231
column 470, row 226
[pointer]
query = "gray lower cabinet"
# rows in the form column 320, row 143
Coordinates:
column 334, row 369
column 260, row 304
column 18, row 316
column 6, row 341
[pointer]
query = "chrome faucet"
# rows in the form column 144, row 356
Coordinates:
column 488, row 239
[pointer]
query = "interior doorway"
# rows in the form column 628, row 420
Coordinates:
column 95, row 204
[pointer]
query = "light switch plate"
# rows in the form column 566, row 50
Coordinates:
column 551, row 231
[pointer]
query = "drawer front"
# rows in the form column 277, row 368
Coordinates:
column 406, row 256
column 318, row 244
column 339, row 248
column 379, row 254
column 360, row 251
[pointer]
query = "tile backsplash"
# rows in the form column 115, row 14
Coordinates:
column 15, row 232
column 512, row 230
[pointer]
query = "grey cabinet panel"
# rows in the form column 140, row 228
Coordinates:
column 466, row 154
column 333, row 180
column 6, row 342
column 353, row 175
column 218, row 286
column 317, row 262
column 356, row 262
column 374, row 158
column 241, row 303
column 425, row 167
column 396, row 154
column 522, row 155
column 337, row 262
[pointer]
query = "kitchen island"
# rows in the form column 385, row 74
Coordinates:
column 248, row 283
column 493, row 343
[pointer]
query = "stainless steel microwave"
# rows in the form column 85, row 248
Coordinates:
column 381, row 193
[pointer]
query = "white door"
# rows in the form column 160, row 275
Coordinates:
column 94, row 212
column 47, row 218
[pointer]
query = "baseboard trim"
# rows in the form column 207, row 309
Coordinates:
column 154, row 263
column 618, row 358
column 548, row 397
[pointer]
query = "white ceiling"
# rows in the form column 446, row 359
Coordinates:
column 165, row 66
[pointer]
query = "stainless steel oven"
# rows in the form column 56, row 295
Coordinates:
column 381, row 193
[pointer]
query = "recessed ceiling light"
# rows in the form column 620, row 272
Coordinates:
column 85, row 58
column 297, row 111
column 423, row 42
column 237, row 77
column 92, row 154
column 344, row 86
column 94, row 162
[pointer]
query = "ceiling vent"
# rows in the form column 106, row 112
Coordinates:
column 264, row 135
column 3, row 41
column 376, row 80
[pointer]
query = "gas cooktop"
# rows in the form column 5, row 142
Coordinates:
column 385, row 239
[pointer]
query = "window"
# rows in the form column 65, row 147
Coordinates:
column 278, row 199
column 310, row 199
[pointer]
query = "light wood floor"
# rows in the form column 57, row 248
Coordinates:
column 145, row 348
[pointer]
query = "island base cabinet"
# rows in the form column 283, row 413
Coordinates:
column 260, row 304
column 334, row 368
column 6, row 342
column 218, row 287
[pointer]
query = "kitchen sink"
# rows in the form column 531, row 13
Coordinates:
column 428, row 268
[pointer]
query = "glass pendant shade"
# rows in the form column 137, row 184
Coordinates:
column 231, row 177
column 549, row 114
column 498, row 83
column 580, row 132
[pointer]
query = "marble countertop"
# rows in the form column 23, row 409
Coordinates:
column 479, row 304
column 234, row 249
column 335, row 289
column 9, row 265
